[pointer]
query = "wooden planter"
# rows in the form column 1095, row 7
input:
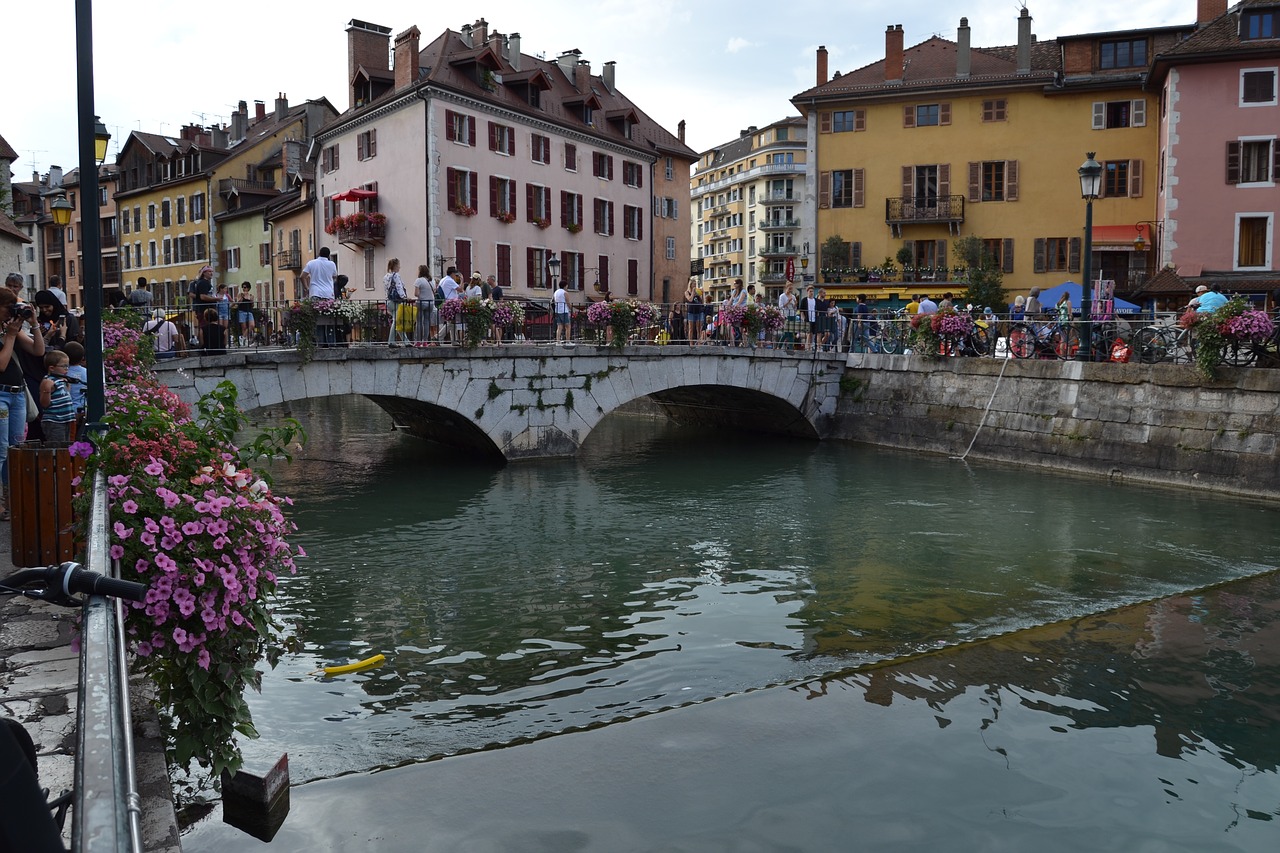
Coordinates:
column 40, row 493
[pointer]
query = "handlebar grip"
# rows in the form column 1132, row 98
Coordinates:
column 77, row 579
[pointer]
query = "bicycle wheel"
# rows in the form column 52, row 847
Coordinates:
column 1151, row 345
column 1239, row 355
column 979, row 342
column 1065, row 342
column 890, row 343
column 1022, row 341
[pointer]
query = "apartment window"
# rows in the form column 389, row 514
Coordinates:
column 1258, row 87
column 71, row 271
column 602, row 165
column 842, row 188
column 994, row 109
column 460, row 188
column 1251, row 161
column 460, row 128
column 329, row 159
column 197, row 207
column 671, row 248
column 633, row 277
column 168, row 251
column 137, row 219
column 926, row 115
column 536, row 261
column 847, row 121
column 151, row 253
column 570, row 211
column 539, row 148
column 603, row 217
column 151, row 217
column 1253, row 241
column 1113, row 114
column 165, row 207
column 1057, row 254
column 992, row 254
column 182, row 210
column 671, row 169
column 264, row 254
column 570, row 157
column 632, row 174
column 367, row 145
column 124, row 222
column 993, row 181
column 632, row 222
column 572, row 267
column 1260, row 24
column 1123, row 53
column 502, row 198
column 1122, row 178
column 502, row 265
column 231, row 258
column 502, row 138
column 538, row 204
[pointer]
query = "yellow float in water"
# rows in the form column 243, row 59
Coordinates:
column 355, row 667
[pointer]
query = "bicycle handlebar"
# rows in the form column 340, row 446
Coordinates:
column 57, row 584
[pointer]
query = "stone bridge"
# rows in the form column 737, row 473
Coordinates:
column 530, row 402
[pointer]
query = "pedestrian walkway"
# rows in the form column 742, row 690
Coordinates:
column 39, row 680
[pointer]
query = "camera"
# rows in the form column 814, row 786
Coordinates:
column 23, row 311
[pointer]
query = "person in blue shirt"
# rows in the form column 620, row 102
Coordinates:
column 77, row 374
column 1208, row 300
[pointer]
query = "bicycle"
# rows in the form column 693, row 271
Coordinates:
column 1155, row 344
column 29, row 819
column 1031, row 339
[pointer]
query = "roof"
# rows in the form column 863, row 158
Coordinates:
column 1168, row 281
column 1216, row 39
column 7, row 226
column 6, row 151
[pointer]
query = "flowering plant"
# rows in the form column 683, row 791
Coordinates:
column 450, row 310
column 772, row 319
column 621, row 318
column 645, row 314
column 1226, row 328
column 1250, row 325
column 542, row 222
column 192, row 519
column 464, row 210
column 952, row 325
column 599, row 313
column 930, row 333
column 300, row 321
column 574, row 227
column 506, row 216
column 344, row 309
column 733, row 315
column 475, row 313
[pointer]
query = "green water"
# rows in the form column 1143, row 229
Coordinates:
column 665, row 567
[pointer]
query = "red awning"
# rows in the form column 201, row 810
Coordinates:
column 355, row 195
column 1120, row 237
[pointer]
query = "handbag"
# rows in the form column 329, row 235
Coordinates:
column 33, row 411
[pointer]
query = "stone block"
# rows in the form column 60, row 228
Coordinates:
column 386, row 377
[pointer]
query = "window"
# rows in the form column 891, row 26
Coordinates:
column 633, row 277
column 671, row 169
column 460, row 187
column 1258, row 87
column 165, row 207
column 602, row 165
column 71, row 270
column 502, row 198
column 572, row 267
column 168, row 251
column 1112, row 114
column 502, row 265
column 124, row 222
column 538, row 204
column 1123, row 53
column 926, row 115
column 1122, row 178
column 231, row 258
column 847, row 121
column 632, row 222
column 1253, row 241
column 539, row 148
column 632, row 174
column 536, row 260
column 993, row 254
column 570, row 211
column 459, row 128
column 182, row 210
column 570, row 157
column 329, row 159
column 1057, row 254
column 671, row 248
column 264, row 254
column 197, row 207
column 151, row 253
column 151, row 217
column 1251, row 161
column 502, row 138
column 842, row 188
column 1260, row 24
column 367, row 145
column 993, row 180
column 137, row 219
column 994, row 109
column 603, row 217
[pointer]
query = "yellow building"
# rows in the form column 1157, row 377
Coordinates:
column 943, row 140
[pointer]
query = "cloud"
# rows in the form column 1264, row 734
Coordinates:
column 736, row 44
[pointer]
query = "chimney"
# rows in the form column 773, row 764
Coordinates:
column 220, row 138
column 608, row 72
column 1209, row 10
column 822, row 64
column 407, row 57
column 582, row 76
column 513, row 48
column 680, row 130
column 465, row 32
column 368, row 45
column 239, row 122
column 259, row 111
column 1024, row 41
column 480, row 32
column 963, row 59
column 495, row 43
column 55, row 177
column 282, row 106
column 893, row 54
column 567, row 61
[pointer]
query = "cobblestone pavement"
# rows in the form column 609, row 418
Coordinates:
column 39, row 678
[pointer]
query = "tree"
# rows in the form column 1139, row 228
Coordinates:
column 835, row 253
column 986, row 281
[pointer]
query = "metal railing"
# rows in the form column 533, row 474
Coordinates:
column 944, row 208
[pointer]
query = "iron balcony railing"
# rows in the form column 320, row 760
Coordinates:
column 780, row 224
column 226, row 185
column 289, row 259
column 943, row 208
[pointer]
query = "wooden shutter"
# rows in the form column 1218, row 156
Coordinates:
column 462, row 255
column 1073, row 255
column 451, row 191
column 975, row 182
column 859, row 120
column 596, row 215
column 633, row 277
column 1041, row 248
column 511, row 141
column 449, row 124
column 1233, row 162
column 940, row 254
column 360, row 146
column 570, row 157
column 1135, row 179
column 907, row 173
column 1010, row 180
column 494, row 188
column 944, row 113
column 639, row 170
column 855, row 254
column 944, row 181
column 1275, row 161
column 1138, row 113
column 859, row 188
column 530, row 265
column 824, row 190
column 511, row 196
column 909, row 115
column 609, row 165
column 604, row 272
column 528, row 201
column 373, row 142
column 493, row 137
column 474, row 181
column 471, row 131
column 564, row 208
column 611, row 222
column 824, row 122
column 639, row 224
column 1099, row 115
column 546, row 202
column 1007, row 254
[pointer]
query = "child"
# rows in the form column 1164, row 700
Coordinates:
column 224, row 311
column 57, row 411
column 213, row 333
column 244, row 314
column 77, row 373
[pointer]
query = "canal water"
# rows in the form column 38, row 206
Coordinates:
column 677, row 571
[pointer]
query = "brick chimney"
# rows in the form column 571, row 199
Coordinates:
column 1208, row 10
column 893, row 54
column 282, row 106
column 680, row 130
column 822, row 64
column 582, row 76
column 1024, row 41
column 259, row 111
column 367, row 45
column 239, row 122
column 963, row 59
column 407, row 57
column 480, row 32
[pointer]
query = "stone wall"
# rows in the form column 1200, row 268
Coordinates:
column 1152, row 423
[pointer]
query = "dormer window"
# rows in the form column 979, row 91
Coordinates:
column 1123, row 53
column 588, row 115
column 1258, row 24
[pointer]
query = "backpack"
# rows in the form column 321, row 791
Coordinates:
column 439, row 296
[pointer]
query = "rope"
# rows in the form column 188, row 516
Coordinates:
column 1008, row 357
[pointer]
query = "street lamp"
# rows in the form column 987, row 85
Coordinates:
column 553, row 267
column 61, row 211
column 1090, row 187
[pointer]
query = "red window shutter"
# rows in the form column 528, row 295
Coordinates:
column 546, row 203
column 1233, row 162
column 450, row 125
column 596, row 215
column 504, row 265
column 639, row 170
column 493, row 137
column 570, row 156
column 511, row 141
column 633, row 277
column 564, row 209
column 639, row 225
column 475, row 187
column 531, row 266
column 471, row 131
column 612, row 224
column 494, row 189
column 824, row 122
column 511, row 196
column 604, row 272
column 462, row 255
column 609, row 163
column 528, row 201
column 908, row 116
column 451, row 188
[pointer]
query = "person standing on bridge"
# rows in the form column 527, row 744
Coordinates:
column 449, row 290
column 399, row 311
column 317, row 276
column 560, row 314
column 424, row 291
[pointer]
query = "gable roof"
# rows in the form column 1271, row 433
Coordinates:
column 8, row 227
column 1218, row 40
column 6, row 151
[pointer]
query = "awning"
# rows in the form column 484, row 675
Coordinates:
column 1119, row 238
column 355, row 195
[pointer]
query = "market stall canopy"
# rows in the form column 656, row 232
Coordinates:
column 1050, row 297
column 355, row 195
column 1121, row 238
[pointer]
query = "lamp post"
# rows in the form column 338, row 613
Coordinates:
column 61, row 210
column 1090, row 186
column 553, row 267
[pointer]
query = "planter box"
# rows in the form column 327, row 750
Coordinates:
column 40, row 493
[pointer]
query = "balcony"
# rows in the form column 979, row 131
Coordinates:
column 780, row 224
column 362, row 235
column 227, row 186
column 773, row 277
column 780, row 197
column 924, row 210
column 778, row 251
column 107, row 241
column 289, row 259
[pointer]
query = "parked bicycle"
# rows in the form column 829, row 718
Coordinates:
column 1043, row 339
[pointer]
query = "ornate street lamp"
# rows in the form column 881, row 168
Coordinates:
column 61, row 211
column 553, row 267
column 1090, row 188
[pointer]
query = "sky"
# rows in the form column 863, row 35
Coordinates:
column 720, row 65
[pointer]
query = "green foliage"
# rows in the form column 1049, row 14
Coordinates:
column 834, row 252
column 986, row 281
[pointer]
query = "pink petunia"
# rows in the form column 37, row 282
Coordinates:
column 131, row 507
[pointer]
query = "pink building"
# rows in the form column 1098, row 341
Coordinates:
column 1219, row 181
column 469, row 153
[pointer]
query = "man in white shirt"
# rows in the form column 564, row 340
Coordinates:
column 167, row 341
column 55, row 287
column 318, row 274
column 927, row 306
column 449, row 287
column 560, row 313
